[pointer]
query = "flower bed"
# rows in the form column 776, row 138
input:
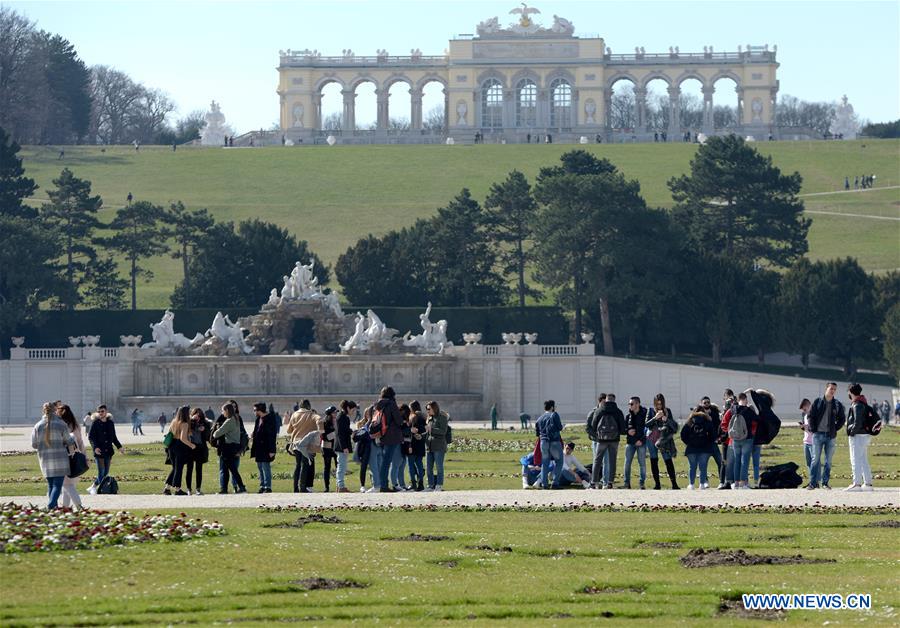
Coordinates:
column 30, row 529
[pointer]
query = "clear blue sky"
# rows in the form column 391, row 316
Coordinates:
column 228, row 51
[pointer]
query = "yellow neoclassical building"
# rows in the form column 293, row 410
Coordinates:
column 528, row 81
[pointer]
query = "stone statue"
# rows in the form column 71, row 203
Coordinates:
column 287, row 291
column 524, row 20
column 358, row 339
column 531, row 338
column 298, row 115
column 562, row 26
column 332, row 302
column 274, row 299
column 370, row 333
column 433, row 338
column 228, row 333
column 590, row 110
column 462, row 109
column 488, row 27
column 213, row 134
column 164, row 336
column 756, row 107
column 845, row 123
column 305, row 283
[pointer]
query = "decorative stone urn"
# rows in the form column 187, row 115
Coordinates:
column 531, row 338
column 587, row 337
column 472, row 338
column 90, row 341
column 75, row 340
column 511, row 338
column 18, row 341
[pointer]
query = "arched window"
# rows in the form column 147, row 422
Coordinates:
column 560, row 103
column 526, row 103
column 492, row 104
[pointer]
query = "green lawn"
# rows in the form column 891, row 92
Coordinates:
column 478, row 459
column 331, row 196
column 506, row 567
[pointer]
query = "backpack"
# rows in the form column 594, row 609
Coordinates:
column 589, row 425
column 245, row 438
column 607, row 427
column 108, row 486
column 872, row 424
column 378, row 427
column 780, row 476
column 737, row 427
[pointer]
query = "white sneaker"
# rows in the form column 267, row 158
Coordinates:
column 198, row 492
column 92, row 489
column 853, row 488
column 586, row 484
column 690, row 487
column 438, row 488
column 721, row 485
column 704, row 486
column 374, row 489
column 524, row 482
column 362, row 489
column 867, row 488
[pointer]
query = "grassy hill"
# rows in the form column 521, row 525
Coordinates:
column 331, row 196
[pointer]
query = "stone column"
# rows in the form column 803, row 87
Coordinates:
column 382, row 117
column 607, row 107
column 773, row 111
column 415, row 111
column 348, row 123
column 447, row 111
column 317, row 111
column 509, row 109
column 708, row 122
column 640, row 105
column 674, row 114
column 740, row 105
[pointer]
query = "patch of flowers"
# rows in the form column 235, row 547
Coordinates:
column 815, row 509
column 30, row 529
column 479, row 445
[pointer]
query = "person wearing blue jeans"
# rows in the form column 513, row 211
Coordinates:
column 826, row 416
column 436, row 427
column 434, row 462
column 635, row 441
column 755, row 457
column 696, row 461
column 548, row 428
column 376, row 455
column 263, row 445
column 742, row 450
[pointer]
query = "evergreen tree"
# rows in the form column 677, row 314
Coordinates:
column 762, row 321
column 798, row 306
column 510, row 211
column 460, row 256
column 15, row 187
column 72, row 210
column 721, row 284
column 104, row 288
column 67, row 112
column 890, row 331
column 186, row 228
column 138, row 235
column 737, row 202
column 238, row 267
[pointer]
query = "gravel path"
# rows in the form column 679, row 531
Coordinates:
column 884, row 497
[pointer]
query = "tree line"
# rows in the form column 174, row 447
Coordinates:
column 49, row 96
column 724, row 268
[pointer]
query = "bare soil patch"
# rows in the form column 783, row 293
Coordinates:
column 329, row 584
column 592, row 589
column 887, row 523
column 735, row 608
column 420, row 537
column 663, row 544
column 715, row 557
column 302, row 521
column 491, row 548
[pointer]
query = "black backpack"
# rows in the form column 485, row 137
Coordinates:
column 607, row 427
column 589, row 425
column 872, row 424
column 780, row 476
column 108, row 486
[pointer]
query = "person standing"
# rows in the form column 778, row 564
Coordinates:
column 201, row 428
column 229, row 435
column 608, row 426
column 661, row 429
column 635, row 441
column 328, row 433
column 807, row 434
column 263, row 443
column 387, row 413
column 494, row 415
column 727, row 476
column 712, row 411
column 859, row 433
column 162, row 422
column 741, row 426
column 437, row 427
column 306, row 449
column 70, row 495
column 524, row 418
column 699, row 435
column 548, row 429
column 376, row 451
column 182, row 449
column 102, row 437
column 52, row 439
column 363, row 448
column 209, row 414
column 302, row 422
column 344, row 442
column 826, row 418
column 418, row 428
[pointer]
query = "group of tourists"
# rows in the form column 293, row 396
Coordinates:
column 732, row 437
column 862, row 182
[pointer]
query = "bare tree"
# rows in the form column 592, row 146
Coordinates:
column 333, row 122
column 623, row 113
column 148, row 114
column 114, row 96
column 690, row 109
column 19, row 72
column 399, row 124
column 658, row 112
column 724, row 117
column 434, row 119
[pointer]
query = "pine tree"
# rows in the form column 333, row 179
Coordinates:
column 138, row 236
column 72, row 211
column 510, row 210
column 104, row 288
column 736, row 202
column 186, row 228
column 15, row 187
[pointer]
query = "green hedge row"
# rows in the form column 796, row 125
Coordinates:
column 53, row 328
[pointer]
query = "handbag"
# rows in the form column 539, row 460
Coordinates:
column 78, row 464
column 168, row 439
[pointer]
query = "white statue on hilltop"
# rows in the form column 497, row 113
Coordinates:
column 433, row 338
column 215, row 130
column 228, row 332
column 845, row 124
column 164, row 336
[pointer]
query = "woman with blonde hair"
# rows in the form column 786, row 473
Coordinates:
column 52, row 439
column 182, row 449
column 70, row 495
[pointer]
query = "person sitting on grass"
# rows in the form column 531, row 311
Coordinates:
column 574, row 472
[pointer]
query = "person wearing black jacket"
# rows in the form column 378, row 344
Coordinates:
column 826, row 416
column 608, row 426
column 712, row 411
column 263, row 445
column 699, row 433
column 390, row 439
column 859, row 433
column 635, row 441
column 344, row 442
column 104, row 442
column 417, row 426
column 201, row 428
column 328, row 438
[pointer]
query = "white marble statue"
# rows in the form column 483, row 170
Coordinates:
column 305, row 283
column 298, row 115
column 164, row 336
column 287, row 290
column 358, row 339
column 370, row 333
column 274, row 299
column 562, row 26
column 215, row 130
column 845, row 123
column 531, row 338
column 433, row 338
column 332, row 303
column 228, row 332
column 462, row 110
column 488, row 27
column 590, row 109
